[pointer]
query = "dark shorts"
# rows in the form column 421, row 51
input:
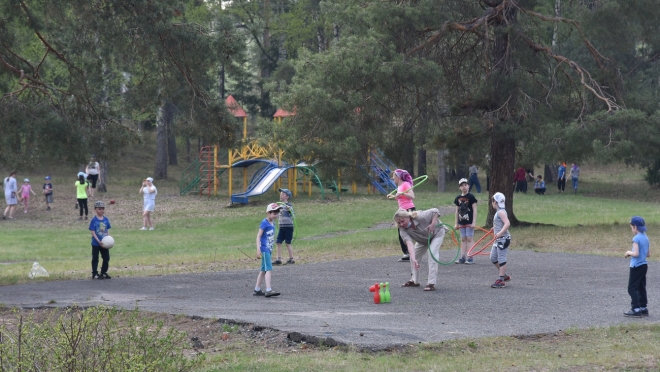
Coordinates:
column 49, row 197
column 285, row 234
column 93, row 178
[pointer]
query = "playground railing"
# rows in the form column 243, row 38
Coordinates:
column 190, row 178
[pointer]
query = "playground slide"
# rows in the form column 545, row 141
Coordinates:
column 260, row 187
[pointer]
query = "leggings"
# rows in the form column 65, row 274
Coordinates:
column 82, row 203
column 404, row 247
column 561, row 184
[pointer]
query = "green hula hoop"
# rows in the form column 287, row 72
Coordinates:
column 295, row 223
column 415, row 182
column 458, row 250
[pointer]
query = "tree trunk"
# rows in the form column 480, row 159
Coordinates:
column 548, row 174
column 421, row 162
column 409, row 158
column 171, row 138
column 503, row 142
column 442, row 184
column 161, row 142
column 103, row 178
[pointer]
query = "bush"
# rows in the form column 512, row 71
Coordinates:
column 93, row 339
column 653, row 173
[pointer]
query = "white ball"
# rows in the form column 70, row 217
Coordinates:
column 108, row 242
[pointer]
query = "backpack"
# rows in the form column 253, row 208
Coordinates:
column 463, row 211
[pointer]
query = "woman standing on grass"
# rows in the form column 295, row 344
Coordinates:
column 10, row 196
column 81, row 194
column 150, row 192
column 404, row 196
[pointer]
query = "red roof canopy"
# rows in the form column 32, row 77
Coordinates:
column 283, row 113
column 235, row 108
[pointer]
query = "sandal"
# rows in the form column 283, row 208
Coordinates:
column 429, row 287
column 410, row 283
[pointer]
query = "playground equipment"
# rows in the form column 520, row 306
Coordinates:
column 202, row 176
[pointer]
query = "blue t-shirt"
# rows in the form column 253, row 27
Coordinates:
column 101, row 228
column 268, row 237
column 643, row 243
column 561, row 171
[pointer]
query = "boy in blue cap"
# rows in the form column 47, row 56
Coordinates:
column 638, row 267
column 285, row 232
column 48, row 192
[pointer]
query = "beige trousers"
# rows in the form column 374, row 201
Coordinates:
column 421, row 250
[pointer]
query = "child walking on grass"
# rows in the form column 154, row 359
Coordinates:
column 500, row 248
column 265, row 239
column 638, row 267
column 26, row 189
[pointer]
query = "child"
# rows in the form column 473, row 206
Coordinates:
column 150, row 192
column 99, row 226
column 81, row 194
column 539, row 185
column 500, row 248
column 561, row 177
column 48, row 192
column 638, row 267
column 265, row 238
column 575, row 175
column 466, row 219
column 404, row 196
column 285, row 232
column 26, row 189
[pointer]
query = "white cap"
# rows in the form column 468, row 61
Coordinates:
column 150, row 179
column 273, row 207
column 26, row 180
column 500, row 199
column 462, row 181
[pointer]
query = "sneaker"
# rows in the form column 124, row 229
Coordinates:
column 4, row 217
column 96, row 276
column 460, row 261
column 469, row 261
column 99, row 277
column 48, row 208
column 507, row 278
column 404, row 258
column 258, row 293
column 105, row 276
column 79, row 218
column 277, row 262
column 143, row 229
column 644, row 312
column 151, row 228
column 85, row 218
column 271, row 294
column 498, row 284
column 290, row 261
column 633, row 313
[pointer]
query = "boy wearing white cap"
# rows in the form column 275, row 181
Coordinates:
column 500, row 247
column 265, row 239
column 638, row 268
column 150, row 192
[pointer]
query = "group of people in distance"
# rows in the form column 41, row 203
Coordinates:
column 520, row 179
column 420, row 231
column 14, row 194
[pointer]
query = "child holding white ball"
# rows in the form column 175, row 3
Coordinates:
column 100, row 226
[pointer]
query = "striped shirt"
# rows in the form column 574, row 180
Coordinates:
column 286, row 215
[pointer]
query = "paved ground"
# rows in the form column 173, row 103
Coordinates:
column 548, row 293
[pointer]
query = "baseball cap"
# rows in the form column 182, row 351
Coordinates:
column 286, row 191
column 500, row 199
column 639, row 223
column 47, row 178
column 26, row 180
column 82, row 174
column 150, row 179
column 462, row 181
column 99, row 204
column 273, row 207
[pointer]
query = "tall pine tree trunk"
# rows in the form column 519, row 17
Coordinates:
column 164, row 116
column 442, row 181
column 505, row 92
column 103, row 178
column 421, row 162
column 171, row 140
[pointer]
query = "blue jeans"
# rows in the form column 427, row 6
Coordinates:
column 474, row 181
column 575, row 182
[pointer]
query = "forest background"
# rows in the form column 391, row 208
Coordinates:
column 501, row 83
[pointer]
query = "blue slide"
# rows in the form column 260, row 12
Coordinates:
column 262, row 181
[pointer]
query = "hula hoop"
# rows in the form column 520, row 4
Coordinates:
column 295, row 223
column 488, row 232
column 458, row 247
column 415, row 183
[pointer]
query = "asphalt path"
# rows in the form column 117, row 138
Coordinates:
column 548, row 293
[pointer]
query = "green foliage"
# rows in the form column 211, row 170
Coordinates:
column 93, row 339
